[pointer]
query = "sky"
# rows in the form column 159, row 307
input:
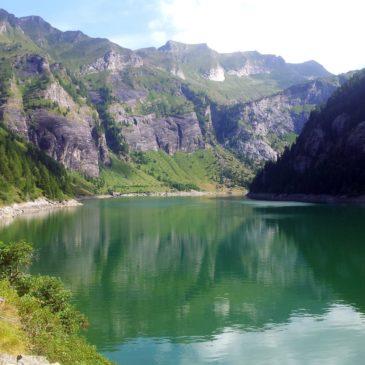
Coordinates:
column 328, row 31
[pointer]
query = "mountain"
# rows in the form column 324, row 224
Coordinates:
column 259, row 130
column 329, row 155
column 178, row 117
column 230, row 76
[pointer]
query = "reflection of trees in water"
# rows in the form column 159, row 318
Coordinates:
column 66, row 243
column 184, row 272
column 188, row 268
column 332, row 241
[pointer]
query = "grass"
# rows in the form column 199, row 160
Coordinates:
column 13, row 339
column 279, row 143
column 156, row 171
column 38, row 318
column 198, row 168
column 126, row 177
column 300, row 109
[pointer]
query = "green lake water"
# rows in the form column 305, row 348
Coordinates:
column 210, row 281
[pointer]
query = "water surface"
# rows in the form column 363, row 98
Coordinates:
column 210, row 281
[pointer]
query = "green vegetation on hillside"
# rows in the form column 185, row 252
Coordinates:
column 38, row 316
column 113, row 132
column 72, row 85
column 26, row 173
column 6, row 73
column 164, row 105
column 300, row 109
column 156, row 171
column 31, row 95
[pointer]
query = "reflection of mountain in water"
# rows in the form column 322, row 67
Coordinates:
column 178, row 268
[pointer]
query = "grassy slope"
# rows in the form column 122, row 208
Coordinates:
column 13, row 339
column 157, row 171
column 28, row 328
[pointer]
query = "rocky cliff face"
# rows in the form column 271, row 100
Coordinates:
column 114, row 62
column 151, row 133
column 43, row 112
column 259, row 130
column 12, row 112
column 329, row 155
column 65, row 140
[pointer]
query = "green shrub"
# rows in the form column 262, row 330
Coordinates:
column 48, row 318
column 14, row 257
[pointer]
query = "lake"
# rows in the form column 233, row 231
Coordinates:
column 210, row 281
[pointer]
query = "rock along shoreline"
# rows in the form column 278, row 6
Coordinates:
column 167, row 194
column 24, row 360
column 16, row 209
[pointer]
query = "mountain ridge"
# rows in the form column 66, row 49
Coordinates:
column 110, row 113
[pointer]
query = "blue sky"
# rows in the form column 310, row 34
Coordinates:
column 328, row 31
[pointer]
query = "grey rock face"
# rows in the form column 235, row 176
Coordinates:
column 252, row 129
column 319, row 142
column 66, row 141
column 12, row 113
column 151, row 133
column 31, row 65
column 72, row 139
column 113, row 61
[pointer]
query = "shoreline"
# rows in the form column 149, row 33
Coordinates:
column 307, row 198
column 38, row 205
column 43, row 204
column 167, row 194
column 9, row 212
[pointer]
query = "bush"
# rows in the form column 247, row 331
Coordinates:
column 14, row 257
column 48, row 319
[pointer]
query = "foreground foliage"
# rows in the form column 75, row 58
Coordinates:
column 46, row 323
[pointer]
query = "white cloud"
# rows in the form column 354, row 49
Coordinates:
column 131, row 40
column 327, row 31
column 341, row 328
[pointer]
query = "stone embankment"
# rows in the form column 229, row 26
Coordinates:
column 14, row 210
column 24, row 360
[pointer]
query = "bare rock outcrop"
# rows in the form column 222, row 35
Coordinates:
column 113, row 61
column 255, row 130
column 67, row 141
column 24, row 360
column 151, row 133
column 12, row 112
column 65, row 128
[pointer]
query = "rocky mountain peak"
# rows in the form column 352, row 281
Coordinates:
column 113, row 61
column 6, row 17
column 178, row 47
column 35, row 24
